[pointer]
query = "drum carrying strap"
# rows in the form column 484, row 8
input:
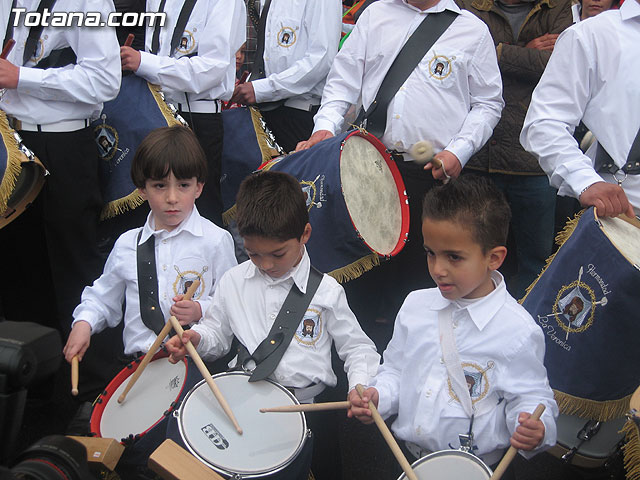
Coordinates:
column 427, row 33
column 150, row 310
column 267, row 355
column 604, row 162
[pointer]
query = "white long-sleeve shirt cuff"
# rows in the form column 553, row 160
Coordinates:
column 149, row 66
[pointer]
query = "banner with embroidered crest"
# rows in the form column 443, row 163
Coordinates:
column 586, row 302
column 356, row 199
column 22, row 175
column 247, row 144
column 138, row 109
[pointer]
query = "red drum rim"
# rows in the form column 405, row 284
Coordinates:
column 402, row 193
column 104, row 398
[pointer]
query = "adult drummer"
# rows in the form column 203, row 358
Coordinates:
column 455, row 105
column 297, row 42
column 593, row 75
column 192, row 57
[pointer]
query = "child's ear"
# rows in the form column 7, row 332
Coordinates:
column 199, row 187
column 306, row 234
column 496, row 256
column 143, row 193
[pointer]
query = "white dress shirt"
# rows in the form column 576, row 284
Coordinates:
column 594, row 76
column 500, row 347
column 301, row 41
column 197, row 249
column 576, row 12
column 456, row 108
column 205, row 65
column 73, row 92
column 246, row 304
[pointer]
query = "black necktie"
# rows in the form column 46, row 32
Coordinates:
column 155, row 41
column 258, row 63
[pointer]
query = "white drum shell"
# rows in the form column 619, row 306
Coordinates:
column 450, row 465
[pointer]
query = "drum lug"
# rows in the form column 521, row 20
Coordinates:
column 309, row 433
column 587, row 432
column 176, row 414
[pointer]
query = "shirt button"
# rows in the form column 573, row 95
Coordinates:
column 165, row 296
column 164, row 241
column 164, row 267
column 427, row 393
column 396, row 116
column 441, row 360
column 272, row 316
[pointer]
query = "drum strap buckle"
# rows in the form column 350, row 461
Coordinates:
column 620, row 180
column 587, row 432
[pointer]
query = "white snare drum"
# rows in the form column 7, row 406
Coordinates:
column 450, row 465
column 599, row 444
column 269, row 442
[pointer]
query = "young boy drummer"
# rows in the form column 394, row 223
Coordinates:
column 169, row 169
column 466, row 339
column 273, row 220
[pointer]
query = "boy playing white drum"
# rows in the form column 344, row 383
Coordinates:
column 466, row 339
column 273, row 220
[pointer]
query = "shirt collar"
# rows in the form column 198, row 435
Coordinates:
column 441, row 6
column 482, row 311
column 192, row 224
column 630, row 9
column 298, row 274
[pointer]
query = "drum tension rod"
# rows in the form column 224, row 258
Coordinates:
column 587, row 432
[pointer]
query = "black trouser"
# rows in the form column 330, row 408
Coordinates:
column 290, row 125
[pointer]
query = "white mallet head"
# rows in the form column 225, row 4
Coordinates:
column 422, row 151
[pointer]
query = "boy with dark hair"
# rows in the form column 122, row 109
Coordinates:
column 169, row 169
column 465, row 360
column 274, row 222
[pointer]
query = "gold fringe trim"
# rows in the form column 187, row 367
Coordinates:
column 355, row 269
column 162, row 105
column 592, row 409
column 14, row 163
column 121, row 205
column 631, row 450
column 229, row 215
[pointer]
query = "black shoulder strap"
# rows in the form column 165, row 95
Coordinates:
column 427, row 33
column 257, row 71
column 150, row 310
column 58, row 58
column 9, row 31
column 35, row 32
column 270, row 351
column 365, row 4
column 183, row 18
column 604, row 162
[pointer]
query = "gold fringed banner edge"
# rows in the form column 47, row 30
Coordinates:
column 631, row 450
column 355, row 269
column 14, row 164
column 121, row 205
column 261, row 138
column 591, row 409
column 229, row 215
column 162, row 105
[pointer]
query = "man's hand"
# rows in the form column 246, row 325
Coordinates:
column 608, row 198
column 9, row 74
column 317, row 137
column 545, row 42
column 529, row 433
column 452, row 165
column 360, row 406
column 129, row 58
column 244, row 94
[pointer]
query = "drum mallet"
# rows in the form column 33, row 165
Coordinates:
column 511, row 453
column 388, row 436
column 191, row 350
column 422, row 153
column 157, row 342
column 309, row 407
column 74, row 375
column 7, row 48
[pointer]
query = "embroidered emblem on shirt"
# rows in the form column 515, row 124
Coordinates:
column 440, row 67
column 185, row 279
column 310, row 328
column 187, row 43
column 39, row 53
column 313, row 194
column 477, row 381
column 287, row 37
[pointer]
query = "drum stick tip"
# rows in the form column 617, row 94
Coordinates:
column 74, row 392
column 239, row 430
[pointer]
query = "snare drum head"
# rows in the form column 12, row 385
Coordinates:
column 157, row 388
column 270, row 441
column 450, row 465
column 371, row 194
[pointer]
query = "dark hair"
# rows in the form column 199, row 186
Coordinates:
column 168, row 149
column 475, row 203
column 271, row 205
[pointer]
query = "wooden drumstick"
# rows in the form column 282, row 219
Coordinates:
column 129, row 41
column 244, row 77
column 7, row 48
column 309, row 407
column 205, row 373
column 633, row 221
column 388, row 436
column 157, row 342
column 511, row 453
column 74, row 375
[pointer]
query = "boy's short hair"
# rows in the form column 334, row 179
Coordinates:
column 169, row 149
column 271, row 205
column 475, row 203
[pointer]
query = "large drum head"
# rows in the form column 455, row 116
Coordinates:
column 151, row 397
column 270, row 440
column 450, row 465
column 371, row 195
column 624, row 236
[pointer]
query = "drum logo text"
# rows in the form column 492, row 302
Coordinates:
column 215, row 436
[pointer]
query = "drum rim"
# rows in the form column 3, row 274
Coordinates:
column 103, row 399
column 456, row 453
column 178, row 414
column 400, row 188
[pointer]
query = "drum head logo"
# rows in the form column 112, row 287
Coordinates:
column 287, row 37
column 185, row 279
column 310, row 328
column 187, row 43
column 215, row 436
column 477, row 381
column 440, row 67
column 106, row 138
